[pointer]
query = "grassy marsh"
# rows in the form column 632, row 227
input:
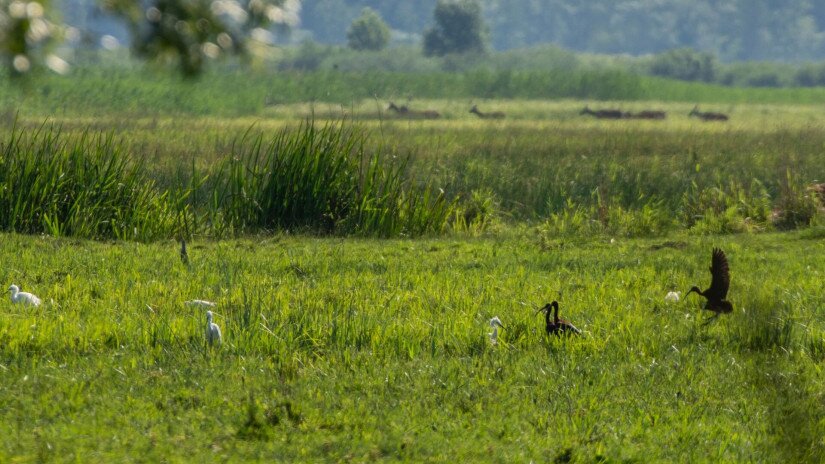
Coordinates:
column 345, row 348
column 378, row 350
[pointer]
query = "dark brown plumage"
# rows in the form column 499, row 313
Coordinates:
column 556, row 326
column 719, row 284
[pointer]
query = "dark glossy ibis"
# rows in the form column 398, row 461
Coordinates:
column 556, row 326
column 718, row 290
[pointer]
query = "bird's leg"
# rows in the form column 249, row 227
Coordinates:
column 710, row 319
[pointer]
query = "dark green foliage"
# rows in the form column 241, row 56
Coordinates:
column 811, row 75
column 189, row 32
column 320, row 179
column 171, row 30
column 685, row 64
column 459, row 28
column 311, row 179
column 25, row 33
column 84, row 186
column 305, row 180
column 368, row 32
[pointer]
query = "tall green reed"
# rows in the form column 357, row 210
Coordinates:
column 320, row 179
column 83, row 186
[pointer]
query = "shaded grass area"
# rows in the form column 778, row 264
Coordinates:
column 377, row 350
column 89, row 91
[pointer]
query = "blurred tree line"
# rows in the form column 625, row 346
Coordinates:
column 684, row 39
column 730, row 29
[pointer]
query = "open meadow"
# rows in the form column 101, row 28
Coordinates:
column 357, row 259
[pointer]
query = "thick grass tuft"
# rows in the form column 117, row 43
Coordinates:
column 320, row 179
column 82, row 186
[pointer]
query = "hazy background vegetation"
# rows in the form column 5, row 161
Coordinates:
column 756, row 43
column 730, row 29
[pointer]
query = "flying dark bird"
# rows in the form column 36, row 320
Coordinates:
column 718, row 291
column 557, row 326
column 184, row 256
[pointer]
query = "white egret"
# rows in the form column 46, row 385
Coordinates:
column 673, row 297
column 213, row 332
column 201, row 303
column 23, row 297
column 495, row 323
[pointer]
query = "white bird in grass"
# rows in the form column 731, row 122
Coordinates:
column 200, row 303
column 495, row 323
column 673, row 297
column 213, row 332
column 23, row 297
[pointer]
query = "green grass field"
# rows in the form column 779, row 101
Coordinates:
column 342, row 347
column 370, row 350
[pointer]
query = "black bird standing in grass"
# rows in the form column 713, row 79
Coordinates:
column 556, row 326
column 184, row 256
column 719, row 284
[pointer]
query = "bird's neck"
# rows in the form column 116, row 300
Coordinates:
column 696, row 290
column 556, row 314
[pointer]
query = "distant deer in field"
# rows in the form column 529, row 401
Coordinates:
column 404, row 112
column 493, row 115
column 708, row 116
column 605, row 114
column 648, row 114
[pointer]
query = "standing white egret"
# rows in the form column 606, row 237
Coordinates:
column 495, row 323
column 673, row 297
column 23, row 297
column 213, row 332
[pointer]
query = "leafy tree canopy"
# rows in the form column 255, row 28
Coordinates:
column 368, row 32
column 459, row 28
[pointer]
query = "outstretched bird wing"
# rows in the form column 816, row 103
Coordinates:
column 721, row 276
